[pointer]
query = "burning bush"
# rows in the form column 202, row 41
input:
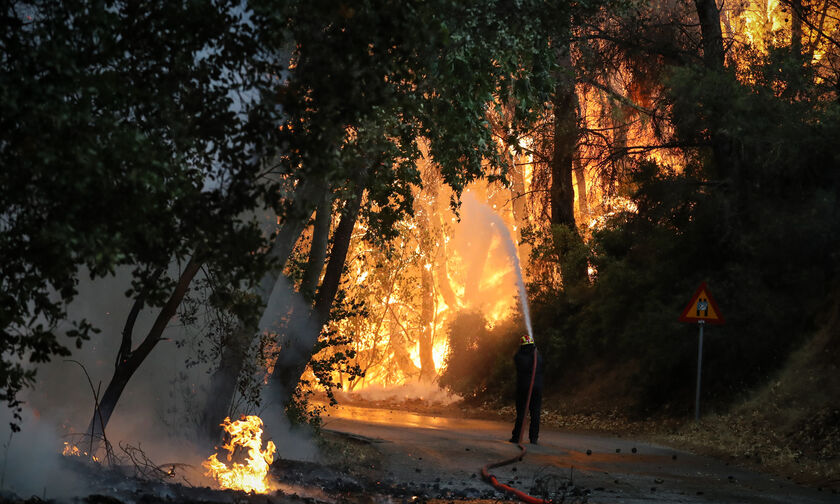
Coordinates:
column 479, row 357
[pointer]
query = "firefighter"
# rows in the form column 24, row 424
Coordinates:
column 524, row 363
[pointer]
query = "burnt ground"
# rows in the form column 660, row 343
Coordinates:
column 391, row 456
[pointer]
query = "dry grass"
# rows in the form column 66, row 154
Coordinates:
column 791, row 427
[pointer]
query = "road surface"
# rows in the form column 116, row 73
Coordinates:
column 445, row 456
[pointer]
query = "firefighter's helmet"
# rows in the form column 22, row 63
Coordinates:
column 526, row 339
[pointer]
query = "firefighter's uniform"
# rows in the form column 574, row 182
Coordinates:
column 524, row 362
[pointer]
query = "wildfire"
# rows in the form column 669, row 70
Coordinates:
column 252, row 475
column 443, row 263
column 71, row 450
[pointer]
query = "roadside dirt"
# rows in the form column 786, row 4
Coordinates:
column 439, row 457
column 806, row 453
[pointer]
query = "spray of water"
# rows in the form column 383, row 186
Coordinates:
column 472, row 204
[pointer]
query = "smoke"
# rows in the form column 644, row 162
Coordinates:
column 159, row 410
column 286, row 312
column 153, row 412
column 30, row 460
column 157, row 399
column 160, row 407
column 424, row 391
column 293, row 443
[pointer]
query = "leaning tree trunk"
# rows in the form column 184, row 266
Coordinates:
column 128, row 361
column 301, row 340
column 224, row 381
column 318, row 248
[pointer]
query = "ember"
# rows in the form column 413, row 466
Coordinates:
column 71, row 450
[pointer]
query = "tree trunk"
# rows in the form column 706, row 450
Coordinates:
column 713, row 53
column 225, row 378
column 129, row 361
column 520, row 213
column 564, row 141
column 307, row 195
column 812, row 47
column 583, row 199
column 318, row 249
column 427, row 286
column 442, row 275
column 427, row 313
column 299, row 346
column 564, row 144
column 439, row 261
column 796, row 29
column 723, row 149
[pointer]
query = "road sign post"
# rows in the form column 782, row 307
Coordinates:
column 699, row 368
column 701, row 309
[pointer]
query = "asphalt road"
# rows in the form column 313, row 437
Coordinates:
column 446, row 454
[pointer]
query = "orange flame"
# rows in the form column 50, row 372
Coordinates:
column 252, row 476
column 71, row 450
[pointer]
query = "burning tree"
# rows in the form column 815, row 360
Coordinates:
column 357, row 144
column 348, row 150
column 354, row 134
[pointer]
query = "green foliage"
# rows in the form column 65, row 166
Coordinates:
column 332, row 353
column 373, row 83
column 370, row 80
column 130, row 138
column 300, row 410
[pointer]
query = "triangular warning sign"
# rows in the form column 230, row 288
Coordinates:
column 702, row 307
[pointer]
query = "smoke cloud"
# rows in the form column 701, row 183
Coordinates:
column 30, row 460
column 158, row 412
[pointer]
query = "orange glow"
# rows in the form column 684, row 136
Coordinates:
column 441, row 263
column 761, row 25
column 71, row 450
column 252, row 475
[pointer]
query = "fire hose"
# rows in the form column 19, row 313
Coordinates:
column 485, row 471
